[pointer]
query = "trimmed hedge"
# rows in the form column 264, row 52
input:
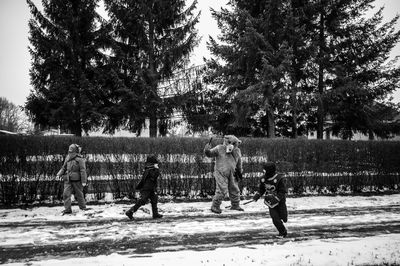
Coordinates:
column 28, row 165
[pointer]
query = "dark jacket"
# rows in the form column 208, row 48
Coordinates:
column 275, row 185
column 149, row 178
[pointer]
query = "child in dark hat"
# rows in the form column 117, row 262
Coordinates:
column 274, row 187
column 148, row 188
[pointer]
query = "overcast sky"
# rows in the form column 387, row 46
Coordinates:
column 15, row 58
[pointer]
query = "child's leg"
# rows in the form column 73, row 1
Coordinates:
column 276, row 219
column 144, row 196
column 153, row 201
column 67, row 196
column 283, row 211
column 78, row 190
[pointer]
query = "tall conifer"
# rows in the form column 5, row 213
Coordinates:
column 66, row 41
column 153, row 38
column 352, row 62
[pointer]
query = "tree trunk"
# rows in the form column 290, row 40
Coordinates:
column 77, row 123
column 78, row 129
column 321, row 111
column 271, row 121
column 293, row 100
column 153, row 126
column 153, row 81
column 371, row 135
column 328, row 134
column 294, row 79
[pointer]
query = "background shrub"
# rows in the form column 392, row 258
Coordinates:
column 28, row 165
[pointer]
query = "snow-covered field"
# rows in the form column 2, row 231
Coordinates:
column 332, row 230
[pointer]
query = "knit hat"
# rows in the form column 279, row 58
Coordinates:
column 270, row 169
column 152, row 159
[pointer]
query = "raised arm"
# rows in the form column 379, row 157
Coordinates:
column 210, row 152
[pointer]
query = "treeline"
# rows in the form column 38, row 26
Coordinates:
column 28, row 166
column 292, row 66
column 279, row 68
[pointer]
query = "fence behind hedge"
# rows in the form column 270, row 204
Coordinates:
column 28, row 165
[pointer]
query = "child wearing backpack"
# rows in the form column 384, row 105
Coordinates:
column 274, row 187
column 148, row 188
column 74, row 176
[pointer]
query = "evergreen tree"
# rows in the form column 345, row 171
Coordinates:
column 294, row 112
column 66, row 41
column 153, row 38
column 251, row 61
column 353, row 72
column 287, row 65
column 264, row 69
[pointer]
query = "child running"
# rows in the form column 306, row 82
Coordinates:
column 273, row 185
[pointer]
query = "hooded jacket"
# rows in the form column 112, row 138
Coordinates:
column 150, row 176
column 74, row 168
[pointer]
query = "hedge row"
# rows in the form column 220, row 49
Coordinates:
column 22, row 191
column 293, row 155
column 28, row 164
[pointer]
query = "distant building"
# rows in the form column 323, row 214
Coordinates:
column 356, row 136
column 5, row 132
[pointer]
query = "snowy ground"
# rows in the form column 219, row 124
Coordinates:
column 322, row 231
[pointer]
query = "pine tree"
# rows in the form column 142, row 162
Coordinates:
column 293, row 115
column 66, row 41
column 281, row 64
column 258, row 61
column 353, row 72
column 238, row 63
column 153, row 38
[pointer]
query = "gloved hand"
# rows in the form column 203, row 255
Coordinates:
column 256, row 197
column 208, row 145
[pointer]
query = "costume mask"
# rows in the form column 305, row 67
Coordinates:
column 230, row 143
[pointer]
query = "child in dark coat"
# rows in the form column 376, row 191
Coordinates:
column 274, row 187
column 148, row 188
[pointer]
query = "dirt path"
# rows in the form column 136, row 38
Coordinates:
column 55, row 239
column 171, row 218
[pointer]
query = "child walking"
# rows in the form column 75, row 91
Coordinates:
column 74, row 176
column 148, row 188
column 274, row 187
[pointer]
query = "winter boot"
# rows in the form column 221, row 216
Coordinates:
column 282, row 235
column 66, row 212
column 129, row 213
column 237, row 208
column 216, row 209
column 157, row 216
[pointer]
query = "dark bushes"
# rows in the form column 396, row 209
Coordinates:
column 28, row 165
